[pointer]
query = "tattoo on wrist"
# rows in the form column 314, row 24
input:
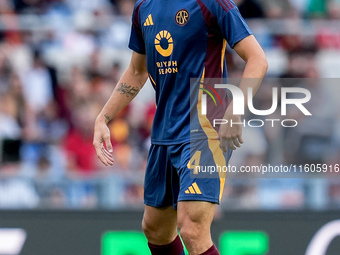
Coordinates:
column 107, row 117
column 127, row 90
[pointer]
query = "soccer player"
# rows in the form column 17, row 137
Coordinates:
column 173, row 41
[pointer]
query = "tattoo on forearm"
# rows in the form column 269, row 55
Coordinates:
column 127, row 90
column 107, row 117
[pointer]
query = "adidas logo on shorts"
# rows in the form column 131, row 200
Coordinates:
column 193, row 189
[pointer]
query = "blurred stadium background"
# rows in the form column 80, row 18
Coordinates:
column 59, row 62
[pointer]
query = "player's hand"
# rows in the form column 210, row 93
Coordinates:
column 101, row 136
column 231, row 134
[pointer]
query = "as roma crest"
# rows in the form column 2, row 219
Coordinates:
column 182, row 17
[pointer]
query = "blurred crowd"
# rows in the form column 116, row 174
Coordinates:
column 60, row 61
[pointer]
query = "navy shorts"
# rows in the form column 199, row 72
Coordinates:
column 179, row 173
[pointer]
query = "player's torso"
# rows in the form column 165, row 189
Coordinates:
column 179, row 46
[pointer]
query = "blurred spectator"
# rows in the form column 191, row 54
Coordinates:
column 9, row 127
column 115, row 73
column 81, row 157
column 44, row 181
column 126, row 7
column 15, row 193
column 300, row 58
column 250, row 8
column 5, row 73
column 80, row 43
column 277, row 8
column 281, row 193
column 37, row 85
column 28, row 6
column 58, row 7
column 6, row 6
column 87, row 5
column 324, row 9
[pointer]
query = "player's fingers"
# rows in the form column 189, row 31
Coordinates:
column 240, row 139
column 100, row 154
column 108, row 144
column 231, row 144
column 108, row 156
column 223, row 145
column 102, row 159
column 108, row 160
column 236, row 142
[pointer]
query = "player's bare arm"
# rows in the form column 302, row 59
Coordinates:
column 256, row 66
column 127, row 88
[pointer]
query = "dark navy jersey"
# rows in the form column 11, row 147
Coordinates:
column 184, row 39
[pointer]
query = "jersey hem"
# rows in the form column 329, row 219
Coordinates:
column 240, row 38
column 135, row 49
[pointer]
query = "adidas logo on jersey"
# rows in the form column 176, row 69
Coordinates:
column 149, row 21
column 193, row 189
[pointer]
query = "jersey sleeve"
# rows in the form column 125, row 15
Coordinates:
column 234, row 27
column 136, row 42
column 230, row 21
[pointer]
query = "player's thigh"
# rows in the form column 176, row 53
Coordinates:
column 160, row 224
